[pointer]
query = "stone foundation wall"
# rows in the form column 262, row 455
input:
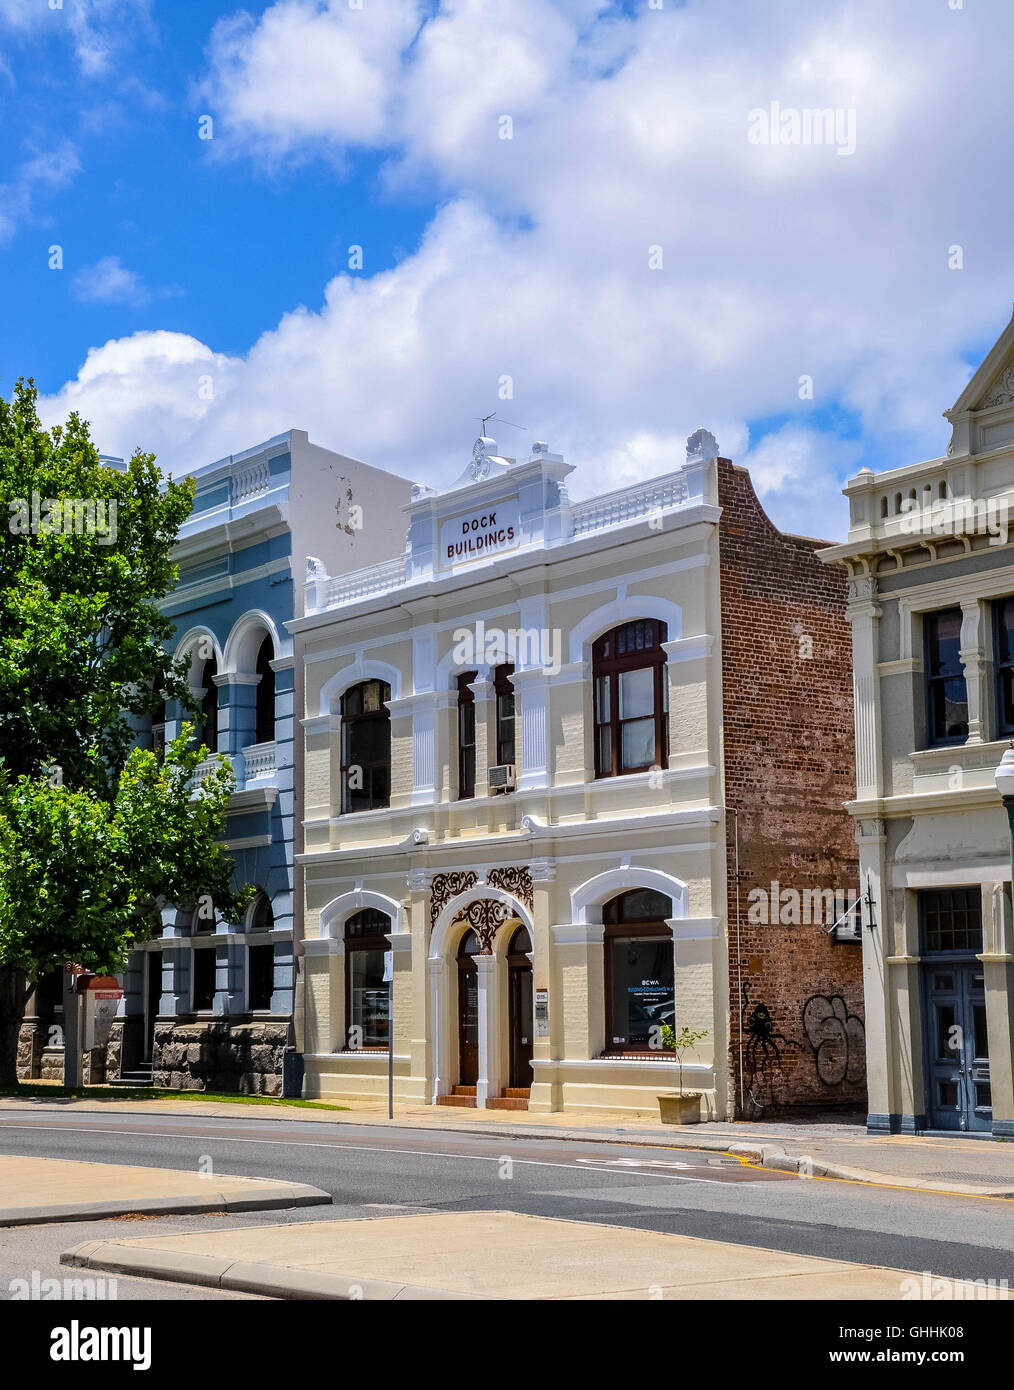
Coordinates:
column 31, row 1041
column 242, row 1057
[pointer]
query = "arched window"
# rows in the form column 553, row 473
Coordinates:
column 366, row 747
column 260, row 958
column 631, row 699
column 367, row 1021
column 639, row 971
column 207, row 733
column 265, row 694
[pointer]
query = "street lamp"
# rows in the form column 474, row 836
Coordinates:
column 1004, row 777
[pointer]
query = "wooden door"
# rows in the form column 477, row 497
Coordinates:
column 468, row 1011
column 520, row 1009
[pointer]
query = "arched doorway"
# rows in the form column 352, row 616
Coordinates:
column 468, row 1009
column 520, row 1020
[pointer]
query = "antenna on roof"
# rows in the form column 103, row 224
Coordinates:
column 487, row 418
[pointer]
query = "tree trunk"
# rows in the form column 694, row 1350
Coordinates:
column 14, row 991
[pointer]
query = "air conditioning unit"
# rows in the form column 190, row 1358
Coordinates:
column 501, row 778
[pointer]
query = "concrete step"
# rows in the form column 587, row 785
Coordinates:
column 506, row 1103
column 518, row 1092
column 463, row 1090
column 467, row 1101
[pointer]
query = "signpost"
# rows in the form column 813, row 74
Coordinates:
column 90, row 1003
column 389, row 978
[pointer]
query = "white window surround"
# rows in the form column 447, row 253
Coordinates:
column 188, row 642
column 589, row 898
column 244, row 641
column 625, row 609
column 336, row 913
column 335, row 686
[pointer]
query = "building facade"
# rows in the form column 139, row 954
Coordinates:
column 574, row 771
column 931, row 585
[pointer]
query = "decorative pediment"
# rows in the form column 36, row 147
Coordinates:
column 485, row 463
column 992, row 384
column 1002, row 392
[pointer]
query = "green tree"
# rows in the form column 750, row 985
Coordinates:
column 85, row 555
column 82, row 878
column 88, row 855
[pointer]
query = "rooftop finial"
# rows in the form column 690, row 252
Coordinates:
column 702, row 444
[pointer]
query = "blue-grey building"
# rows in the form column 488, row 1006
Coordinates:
column 208, row 1005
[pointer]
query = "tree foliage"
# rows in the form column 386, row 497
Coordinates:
column 82, row 640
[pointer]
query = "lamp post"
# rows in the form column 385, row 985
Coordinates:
column 1004, row 777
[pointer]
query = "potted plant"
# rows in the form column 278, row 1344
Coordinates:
column 684, row 1108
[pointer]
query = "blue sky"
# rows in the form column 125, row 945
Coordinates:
column 627, row 265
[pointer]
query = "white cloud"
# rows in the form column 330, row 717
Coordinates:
column 304, row 73
column 778, row 261
column 45, row 170
column 97, row 29
column 108, row 281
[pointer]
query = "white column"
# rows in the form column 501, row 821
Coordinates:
column 864, row 615
column 436, row 971
column 490, row 1082
column 532, row 688
column 973, row 660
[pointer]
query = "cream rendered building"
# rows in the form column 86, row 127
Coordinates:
column 931, row 572
column 492, row 904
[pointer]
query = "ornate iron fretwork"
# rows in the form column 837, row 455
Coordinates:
column 448, row 886
column 516, row 881
column 485, row 916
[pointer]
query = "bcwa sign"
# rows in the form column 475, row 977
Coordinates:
column 493, row 530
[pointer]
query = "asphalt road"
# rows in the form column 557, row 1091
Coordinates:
column 371, row 1171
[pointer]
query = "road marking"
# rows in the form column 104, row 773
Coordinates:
column 362, row 1148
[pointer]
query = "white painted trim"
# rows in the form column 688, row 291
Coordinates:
column 360, row 670
column 951, row 874
column 190, row 639
column 694, row 928
column 578, row 933
column 587, row 900
column 621, row 610
column 322, row 946
column 363, row 1055
column 627, row 1063
column 205, row 588
column 608, row 584
column 333, row 915
column 688, row 648
column 253, row 619
column 440, row 938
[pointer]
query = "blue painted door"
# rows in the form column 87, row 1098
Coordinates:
column 956, row 1046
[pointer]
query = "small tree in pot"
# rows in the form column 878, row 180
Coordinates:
column 683, row 1108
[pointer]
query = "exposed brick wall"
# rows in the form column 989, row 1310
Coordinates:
column 789, row 766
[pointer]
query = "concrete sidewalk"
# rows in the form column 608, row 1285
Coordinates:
column 484, row 1255
column 956, row 1165
column 35, row 1190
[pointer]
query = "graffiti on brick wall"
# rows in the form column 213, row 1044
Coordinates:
column 762, row 1052
column 838, row 1039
